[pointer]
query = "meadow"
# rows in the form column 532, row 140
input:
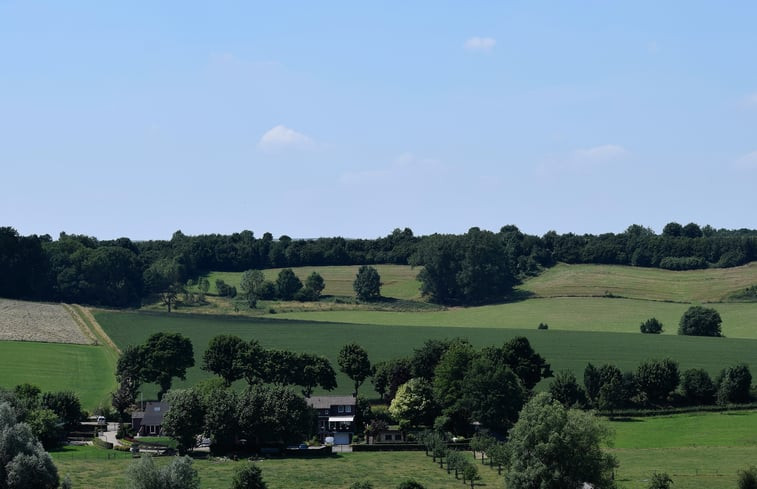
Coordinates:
column 565, row 350
column 84, row 369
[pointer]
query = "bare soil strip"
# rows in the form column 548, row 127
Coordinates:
column 38, row 321
column 96, row 329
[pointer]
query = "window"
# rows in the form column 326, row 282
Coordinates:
column 348, row 409
column 387, row 437
column 398, row 437
column 340, row 409
column 152, row 429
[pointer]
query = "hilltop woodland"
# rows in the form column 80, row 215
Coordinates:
column 473, row 268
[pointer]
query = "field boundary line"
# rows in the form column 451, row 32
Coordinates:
column 97, row 329
column 86, row 331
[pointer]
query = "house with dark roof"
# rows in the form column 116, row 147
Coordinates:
column 336, row 417
column 149, row 422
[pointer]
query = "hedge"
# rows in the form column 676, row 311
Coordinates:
column 400, row 447
column 102, row 443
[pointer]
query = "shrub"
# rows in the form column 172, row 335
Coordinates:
column 697, row 386
column 543, row 326
column 660, row 481
column 748, row 478
column 249, row 476
column 651, row 326
column 734, row 384
column 410, row 484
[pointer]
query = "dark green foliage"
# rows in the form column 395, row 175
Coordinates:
column 697, row 386
column 361, row 485
column 734, row 384
column 389, row 375
column 46, row 426
column 748, row 478
column 425, row 359
column 657, row 379
column 353, row 361
column 287, row 284
column 65, row 405
column 223, row 357
column 492, row 394
column 272, row 414
column 225, row 290
column 543, row 326
column 651, row 326
column 219, row 405
column 315, row 285
column 185, row 418
column 250, row 283
column 23, row 462
column 672, row 229
column 248, row 476
column 537, row 460
column 700, row 321
column 683, row 263
column 367, row 284
column 253, row 360
column 660, row 481
column 528, row 365
column 565, row 389
column 410, row 484
column 166, row 355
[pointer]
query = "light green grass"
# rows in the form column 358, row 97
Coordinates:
column 568, row 313
column 90, row 468
column 570, row 350
column 397, row 281
column 84, row 369
column 710, row 285
column 697, row 450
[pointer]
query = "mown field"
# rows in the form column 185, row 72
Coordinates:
column 696, row 450
column 710, row 285
column 84, row 369
column 569, row 350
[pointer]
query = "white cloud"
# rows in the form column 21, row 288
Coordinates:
column 748, row 161
column 405, row 166
column 281, row 137
column 484, row 44
column 599, row 154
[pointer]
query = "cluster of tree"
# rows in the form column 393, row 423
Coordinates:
column 50, row 415
column 654, row 383
column 475, row 267
column 261, row 414
column 449, row 384
column 232, row 358
column 23, row 461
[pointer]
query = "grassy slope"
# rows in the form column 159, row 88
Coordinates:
column 84, row 369
column 711, row 285
column 564, row 349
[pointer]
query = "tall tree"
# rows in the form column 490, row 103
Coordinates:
column 552, row 447
column 167, row 355
column 700, row 321
column 185, row 418
column 353, row 361
column 287, row 284
column 367, row 284
column 657, row 379
column 223, row 357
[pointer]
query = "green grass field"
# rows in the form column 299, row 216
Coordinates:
column 84, row 369
column 397, row 281
column 569, row 350
column 696, row 450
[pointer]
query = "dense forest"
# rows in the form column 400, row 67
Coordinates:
column 473, row 268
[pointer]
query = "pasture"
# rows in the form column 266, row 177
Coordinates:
column 84, row 369
column 565, row 350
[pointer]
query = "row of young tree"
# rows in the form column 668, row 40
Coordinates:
column 654, row 384
column 475, row 267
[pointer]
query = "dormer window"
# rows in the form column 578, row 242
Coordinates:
column 340, row 409
column 348, row 409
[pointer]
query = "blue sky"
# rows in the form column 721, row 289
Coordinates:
column 352, row 119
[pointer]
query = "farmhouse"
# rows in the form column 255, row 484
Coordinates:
column 336, row 417
column 150, row 421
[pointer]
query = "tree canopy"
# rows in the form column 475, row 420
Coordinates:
column 353, row 361
column 700, row 321
column 367, row 284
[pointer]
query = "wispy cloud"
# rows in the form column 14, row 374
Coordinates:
column 405, row 165
column 599, row 154
column 282, row 137
column 747, row 162
column 482, row 44
column 751, row 100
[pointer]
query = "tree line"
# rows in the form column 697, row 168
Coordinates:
column 471, row 268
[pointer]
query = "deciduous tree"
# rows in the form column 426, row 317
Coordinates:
column 353, row 361
column 700, row 321
column 367, row 284
column 167, row 355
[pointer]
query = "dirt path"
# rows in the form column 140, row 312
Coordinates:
column 96, row 329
